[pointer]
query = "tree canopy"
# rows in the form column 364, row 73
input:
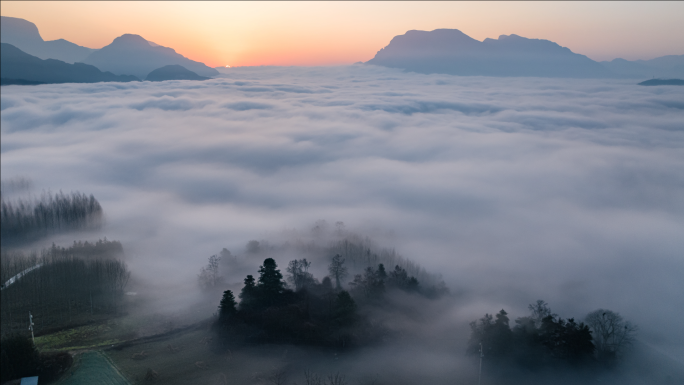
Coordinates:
column 538, row 340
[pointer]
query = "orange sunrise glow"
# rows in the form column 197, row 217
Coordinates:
column 336, row 33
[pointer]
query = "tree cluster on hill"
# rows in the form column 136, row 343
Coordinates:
column 361, row 252
column 314, row 313
column 24, row 219
column 310, row 311
column 62, row 286
column 358, row 251
column 543, row 339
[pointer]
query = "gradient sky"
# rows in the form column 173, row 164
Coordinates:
column 329, row 33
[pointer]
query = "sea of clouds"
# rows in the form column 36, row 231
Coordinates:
column 514, row 189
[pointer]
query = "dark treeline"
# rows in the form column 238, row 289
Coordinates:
column 62, row 286
column 308, row 311
column 375, row 281
column 359, row 252
column 102, row 248
column 27, row 219
column 543, row 339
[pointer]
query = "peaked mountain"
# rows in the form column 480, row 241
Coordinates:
column 133, row 55
column 18, row 67
column 450, row 51
column 173, row 72
column 24, row 35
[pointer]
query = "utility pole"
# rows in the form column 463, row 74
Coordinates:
column 479, row 379
column 31, row 328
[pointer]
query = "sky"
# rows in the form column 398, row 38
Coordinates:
column 335, row 33
column 514, row 189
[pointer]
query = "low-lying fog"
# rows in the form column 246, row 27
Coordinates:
column 514, row 189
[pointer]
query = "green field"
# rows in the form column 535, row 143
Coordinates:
column 186, row 358
column 83, row 337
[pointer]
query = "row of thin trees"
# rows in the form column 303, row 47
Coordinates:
column 59, row 289
column 23, row 219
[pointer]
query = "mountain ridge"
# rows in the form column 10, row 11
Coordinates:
column 25, row 35
column 453, row 52
column 669, row 66
column 134, row 55
column 18, row 67
column 128, row 54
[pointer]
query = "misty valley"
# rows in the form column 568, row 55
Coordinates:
column 82, row 298
column 452, row 210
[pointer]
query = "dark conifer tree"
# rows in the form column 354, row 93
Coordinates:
column 227, row 307
column 578, row 341
column 501, row 335
column 400, row 279
column 248, row 294
column 382, row 274
column 271, row 284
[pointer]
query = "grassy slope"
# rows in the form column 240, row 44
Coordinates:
column 186, row 358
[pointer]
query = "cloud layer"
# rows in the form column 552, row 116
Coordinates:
column 513, row 188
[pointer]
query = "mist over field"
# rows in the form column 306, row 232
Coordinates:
column 513, row 189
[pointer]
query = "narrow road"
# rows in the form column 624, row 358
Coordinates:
column 16, row 277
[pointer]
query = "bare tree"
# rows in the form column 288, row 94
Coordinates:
column 540, row 310
column 337, row 270
column 336, row 379
column 298, row 273
column 312, row 378
column 612, row 334
column 209, row 277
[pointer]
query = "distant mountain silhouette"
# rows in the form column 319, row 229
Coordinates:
column 18, row 67
column 173, row 72
column 24, row 35
column 662, row 82
column 20, row 82
column 662, row 67
column 666, row 62
column 133, row 55
column 450, row 51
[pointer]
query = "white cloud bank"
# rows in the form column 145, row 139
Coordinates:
column 514, row 188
